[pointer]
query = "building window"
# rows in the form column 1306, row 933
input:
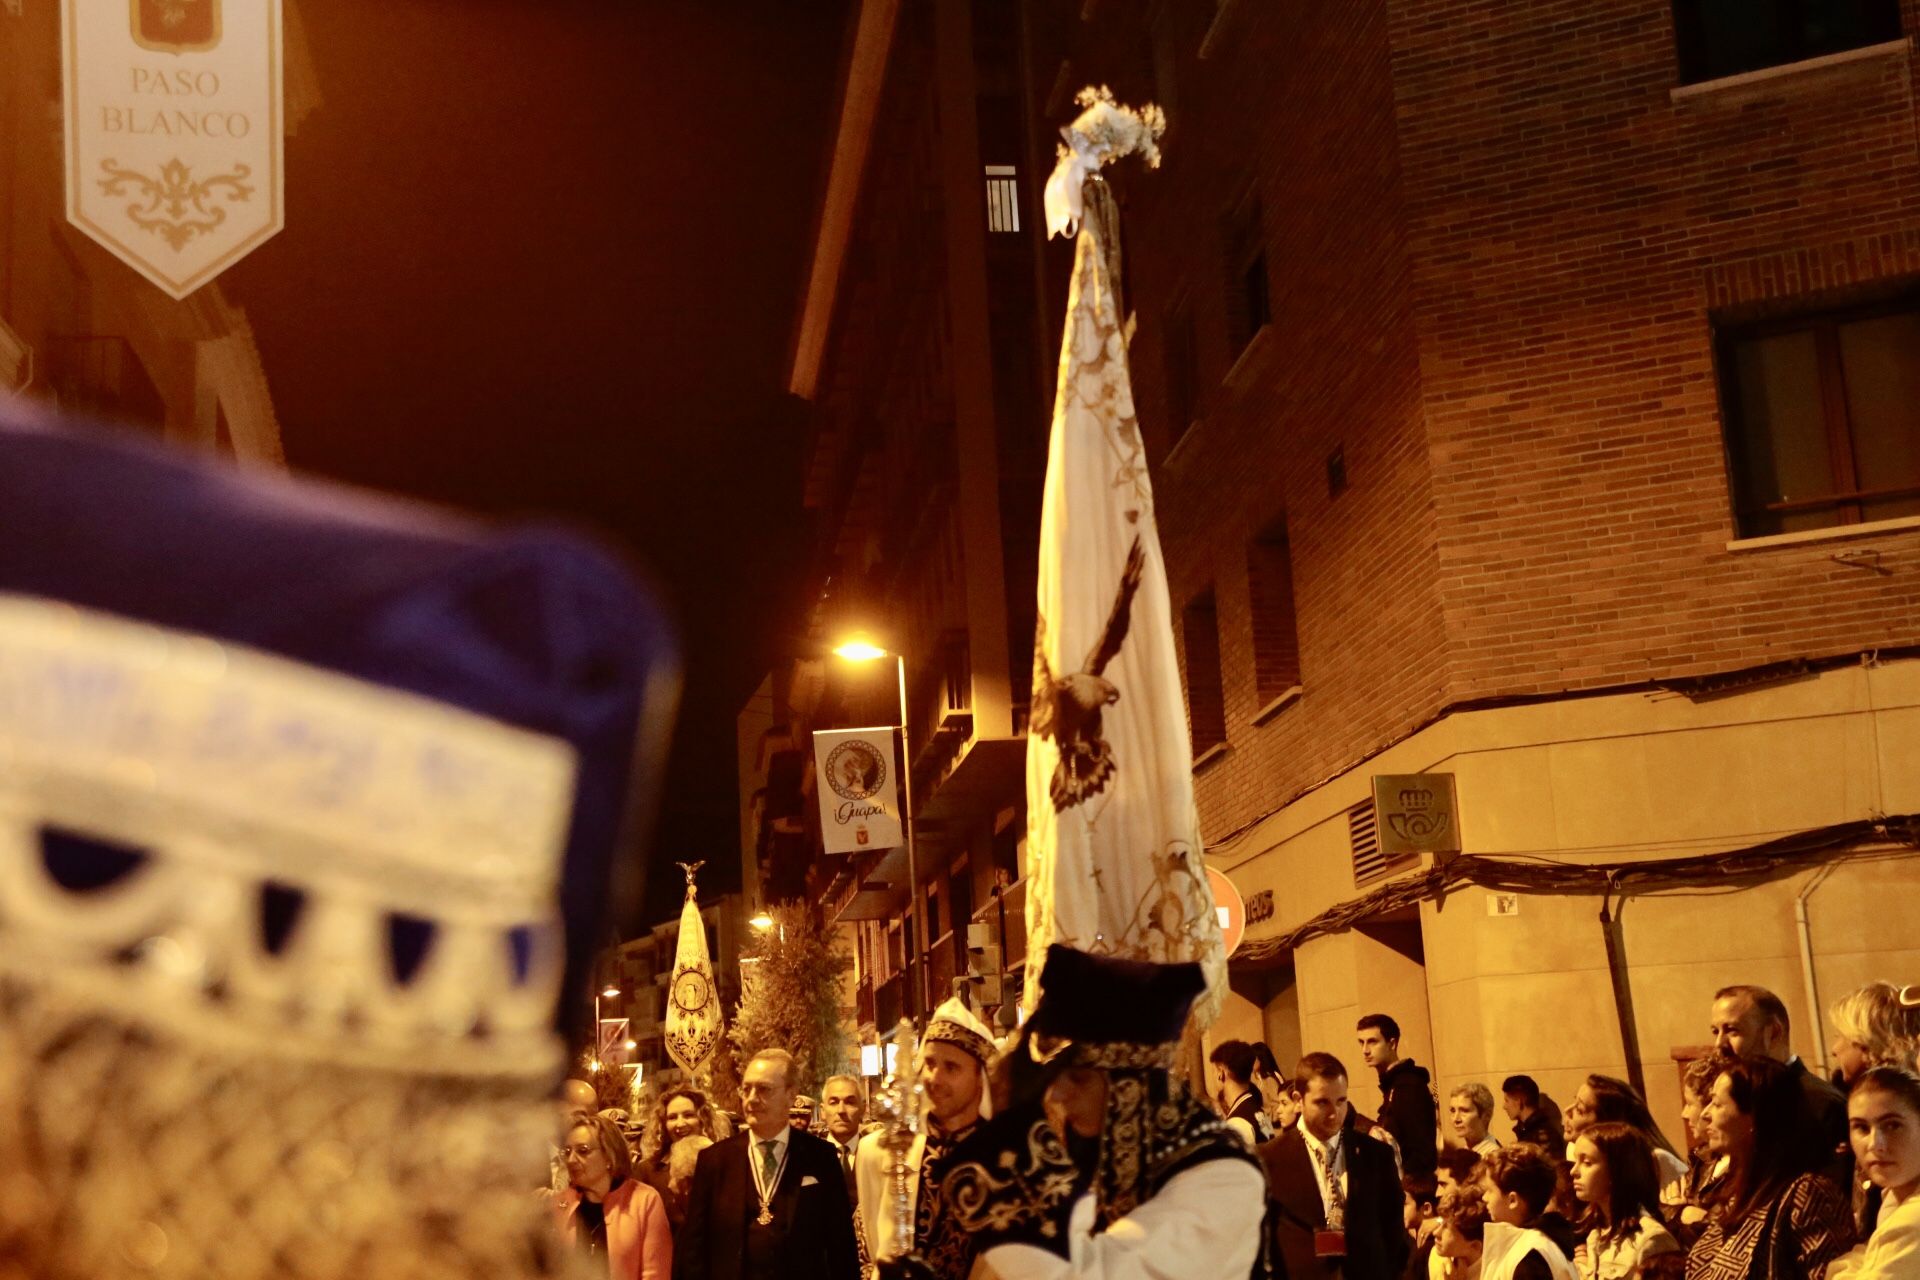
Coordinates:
column 1249, row 305
column 1006, row 855
column 1182, row 368
column 1276, row 637
column 1206, row 701
column 1003, row 198
column 1823, row 419
column 1726, row 37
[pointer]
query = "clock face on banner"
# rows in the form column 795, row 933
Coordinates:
column 690, row 991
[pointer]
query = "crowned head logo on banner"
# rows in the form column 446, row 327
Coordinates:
column 859, row 789
column 174, row 132
column 693, row 1006
column 1113, row 838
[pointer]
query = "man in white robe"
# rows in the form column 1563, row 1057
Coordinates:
column 953, row 1071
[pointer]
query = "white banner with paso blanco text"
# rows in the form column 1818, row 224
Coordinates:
column 859, row 789
column 174, row 132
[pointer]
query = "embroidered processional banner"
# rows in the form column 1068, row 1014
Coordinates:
column 1113, row 838
column 693, row 1005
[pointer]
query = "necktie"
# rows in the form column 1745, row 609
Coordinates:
column 1336, row 1204
column 767, row 1162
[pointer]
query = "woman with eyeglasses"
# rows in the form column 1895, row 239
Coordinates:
column 609, row 1213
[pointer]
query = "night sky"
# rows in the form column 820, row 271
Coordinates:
column 543, row 259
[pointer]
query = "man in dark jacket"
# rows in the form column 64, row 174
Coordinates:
column 1535, row 1116
column 1408, row 1109
column 1333, row 1196
column 769, row 1203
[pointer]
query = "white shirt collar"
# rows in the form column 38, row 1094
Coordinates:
column 1322, row 1149
column 779, row 1140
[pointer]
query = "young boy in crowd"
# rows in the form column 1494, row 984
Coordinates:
column 1458, row 1167
column 1458, row 1244
column 1421, row 1208
column 1523, row 1241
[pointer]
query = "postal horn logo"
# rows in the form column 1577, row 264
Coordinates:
column 176, row 26
column 855, row 770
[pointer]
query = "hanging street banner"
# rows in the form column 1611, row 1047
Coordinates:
column 693, row 1005
column 859, row 789
column 173, row 123
column 1113, row 838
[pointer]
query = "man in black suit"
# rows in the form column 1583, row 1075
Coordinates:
column 1333, row 1193
column 769, row 1203
column 844, row 1105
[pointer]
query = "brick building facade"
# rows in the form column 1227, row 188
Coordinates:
column 1528, row 390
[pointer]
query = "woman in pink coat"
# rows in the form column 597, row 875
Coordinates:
column 608, row 1211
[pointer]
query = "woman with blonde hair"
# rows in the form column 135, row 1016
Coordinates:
column 679, row 1114
column 606, row 1211
column 1872, row 1027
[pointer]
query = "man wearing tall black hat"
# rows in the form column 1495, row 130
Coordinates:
column 1103, row 1163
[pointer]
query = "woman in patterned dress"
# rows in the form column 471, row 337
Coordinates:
column 1772, row 1219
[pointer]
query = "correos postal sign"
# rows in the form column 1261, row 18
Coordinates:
column 173, row 122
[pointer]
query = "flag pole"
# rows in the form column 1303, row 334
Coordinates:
column 916, row 972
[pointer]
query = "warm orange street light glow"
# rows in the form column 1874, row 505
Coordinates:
column 762, row 921
column 610, row 992
column 859, row 651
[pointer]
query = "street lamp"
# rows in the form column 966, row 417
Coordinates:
column 762, row 922
column 859, row 651
column 862, row 649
